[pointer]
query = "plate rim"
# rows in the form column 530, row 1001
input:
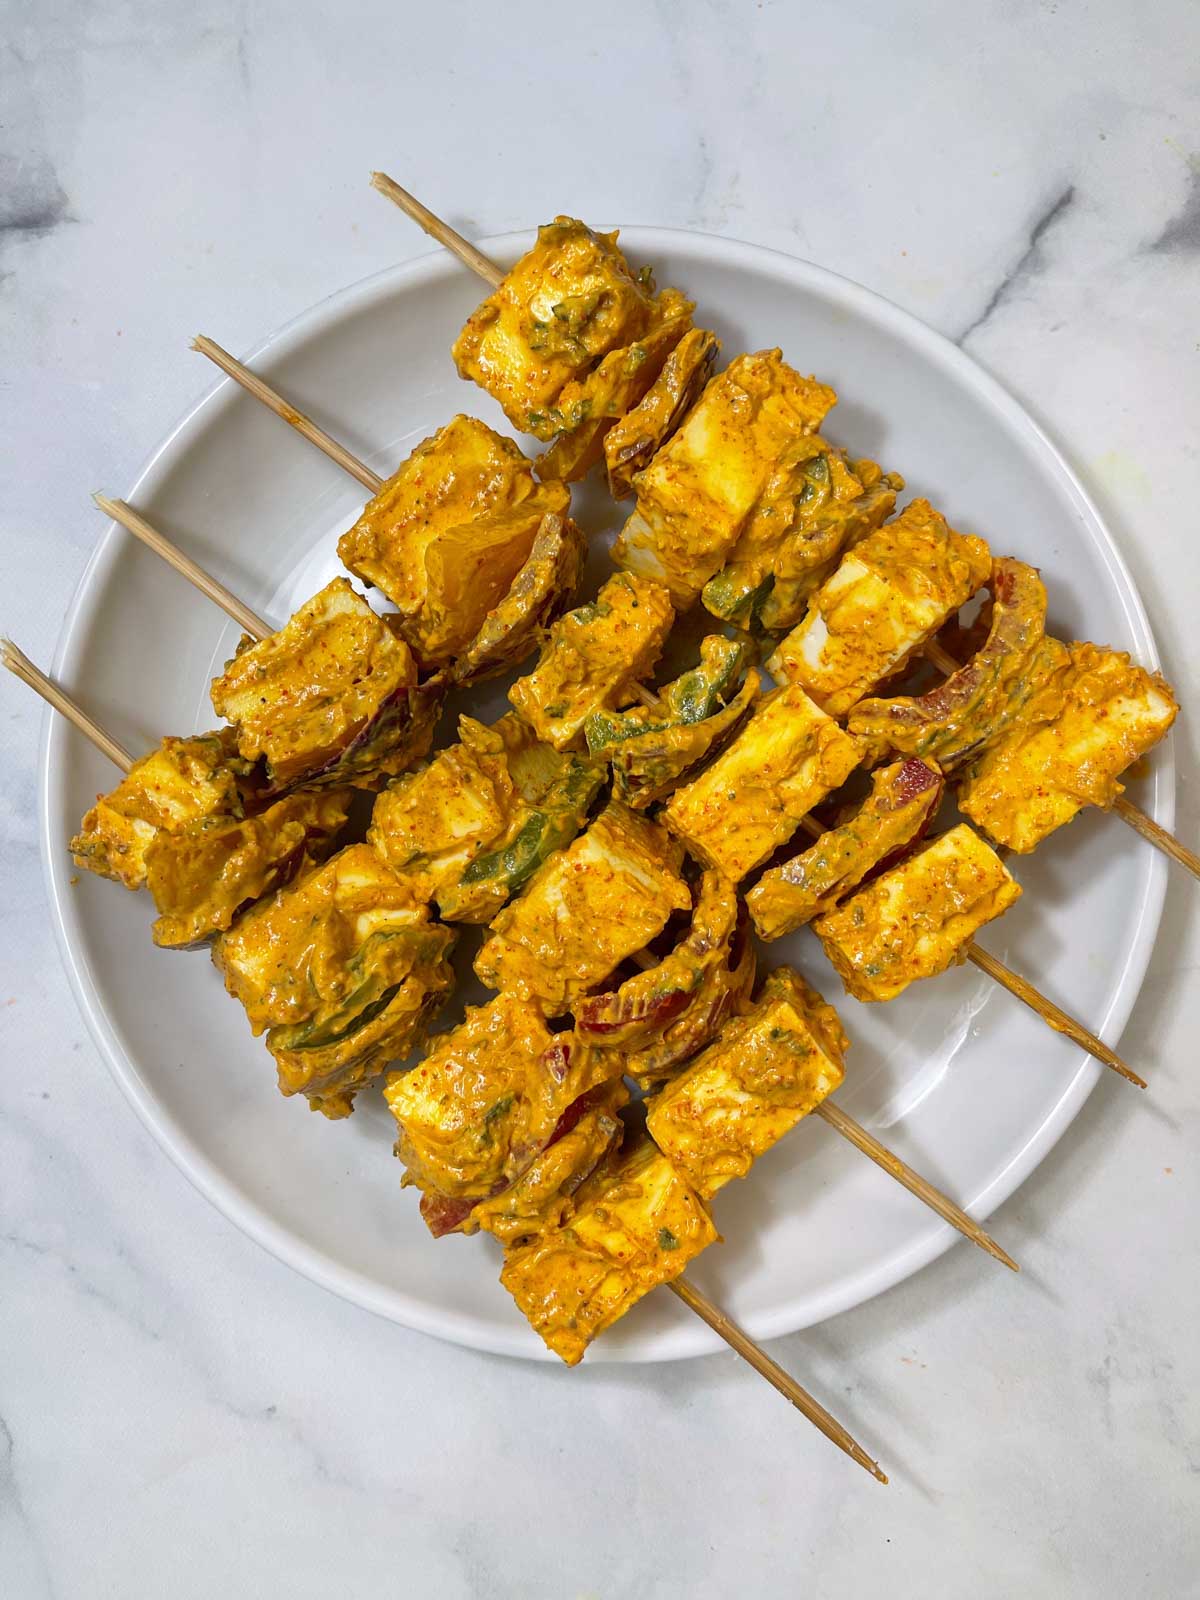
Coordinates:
column 684, row 1341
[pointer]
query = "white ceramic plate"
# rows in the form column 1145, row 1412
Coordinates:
column 968, row 1085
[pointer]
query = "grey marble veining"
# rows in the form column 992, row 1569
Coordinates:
column 181, row 1415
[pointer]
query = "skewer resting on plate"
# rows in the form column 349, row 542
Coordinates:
column 493, row 274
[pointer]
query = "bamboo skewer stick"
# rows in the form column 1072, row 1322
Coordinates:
column 1054, row 1016
column 1153, row 833
column 842, row 1122
column 774, row 1374
column 911, row 1180
column 466, row 252
column 647, row 696
column 251, row 382
column 1133, row 816
column 19, row 664
column 184, row 565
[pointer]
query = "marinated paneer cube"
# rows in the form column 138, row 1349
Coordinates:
column 766, row 1070
column 482, row 1104
column 592, row 655
column 902, row 802
column 307, row 697
column 651, row 749
column 431, row 823
column 539, row 594
column 169, row 790
column 564, row 305
column 782, row 763
column 634, row 1225
column 887, row 599
column 475, row 824
column 632, row 442
column 917, row 919
column 1058, row 759
column 1010, row 679
column 585, row 910
column 343, row 969
column 587, row 407
column 203, row 877
column 470, row 570
column 695, row 497
column 446, row 535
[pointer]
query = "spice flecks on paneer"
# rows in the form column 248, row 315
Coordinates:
column 917, row 919
column 766, row 1070
column 447, row 533
column 1042, row 773
column 300, row 697
column 587, row 909
column 633, row 1226
column 481, row 1104
column 566, row 304
column 695, row 497
column 887, row 599
column 784, row 761
column 180, row 783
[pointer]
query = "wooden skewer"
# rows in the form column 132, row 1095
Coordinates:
column 195, row 575
column 774, row 1374
column 251, row 382
column 1133, row 816
column 466, row 252
column 647, row 696
column 1054, row 1016
column 843, row 1123
column 911, row 1180
column 19, row 664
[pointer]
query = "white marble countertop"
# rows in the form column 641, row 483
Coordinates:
column 179, row 1414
